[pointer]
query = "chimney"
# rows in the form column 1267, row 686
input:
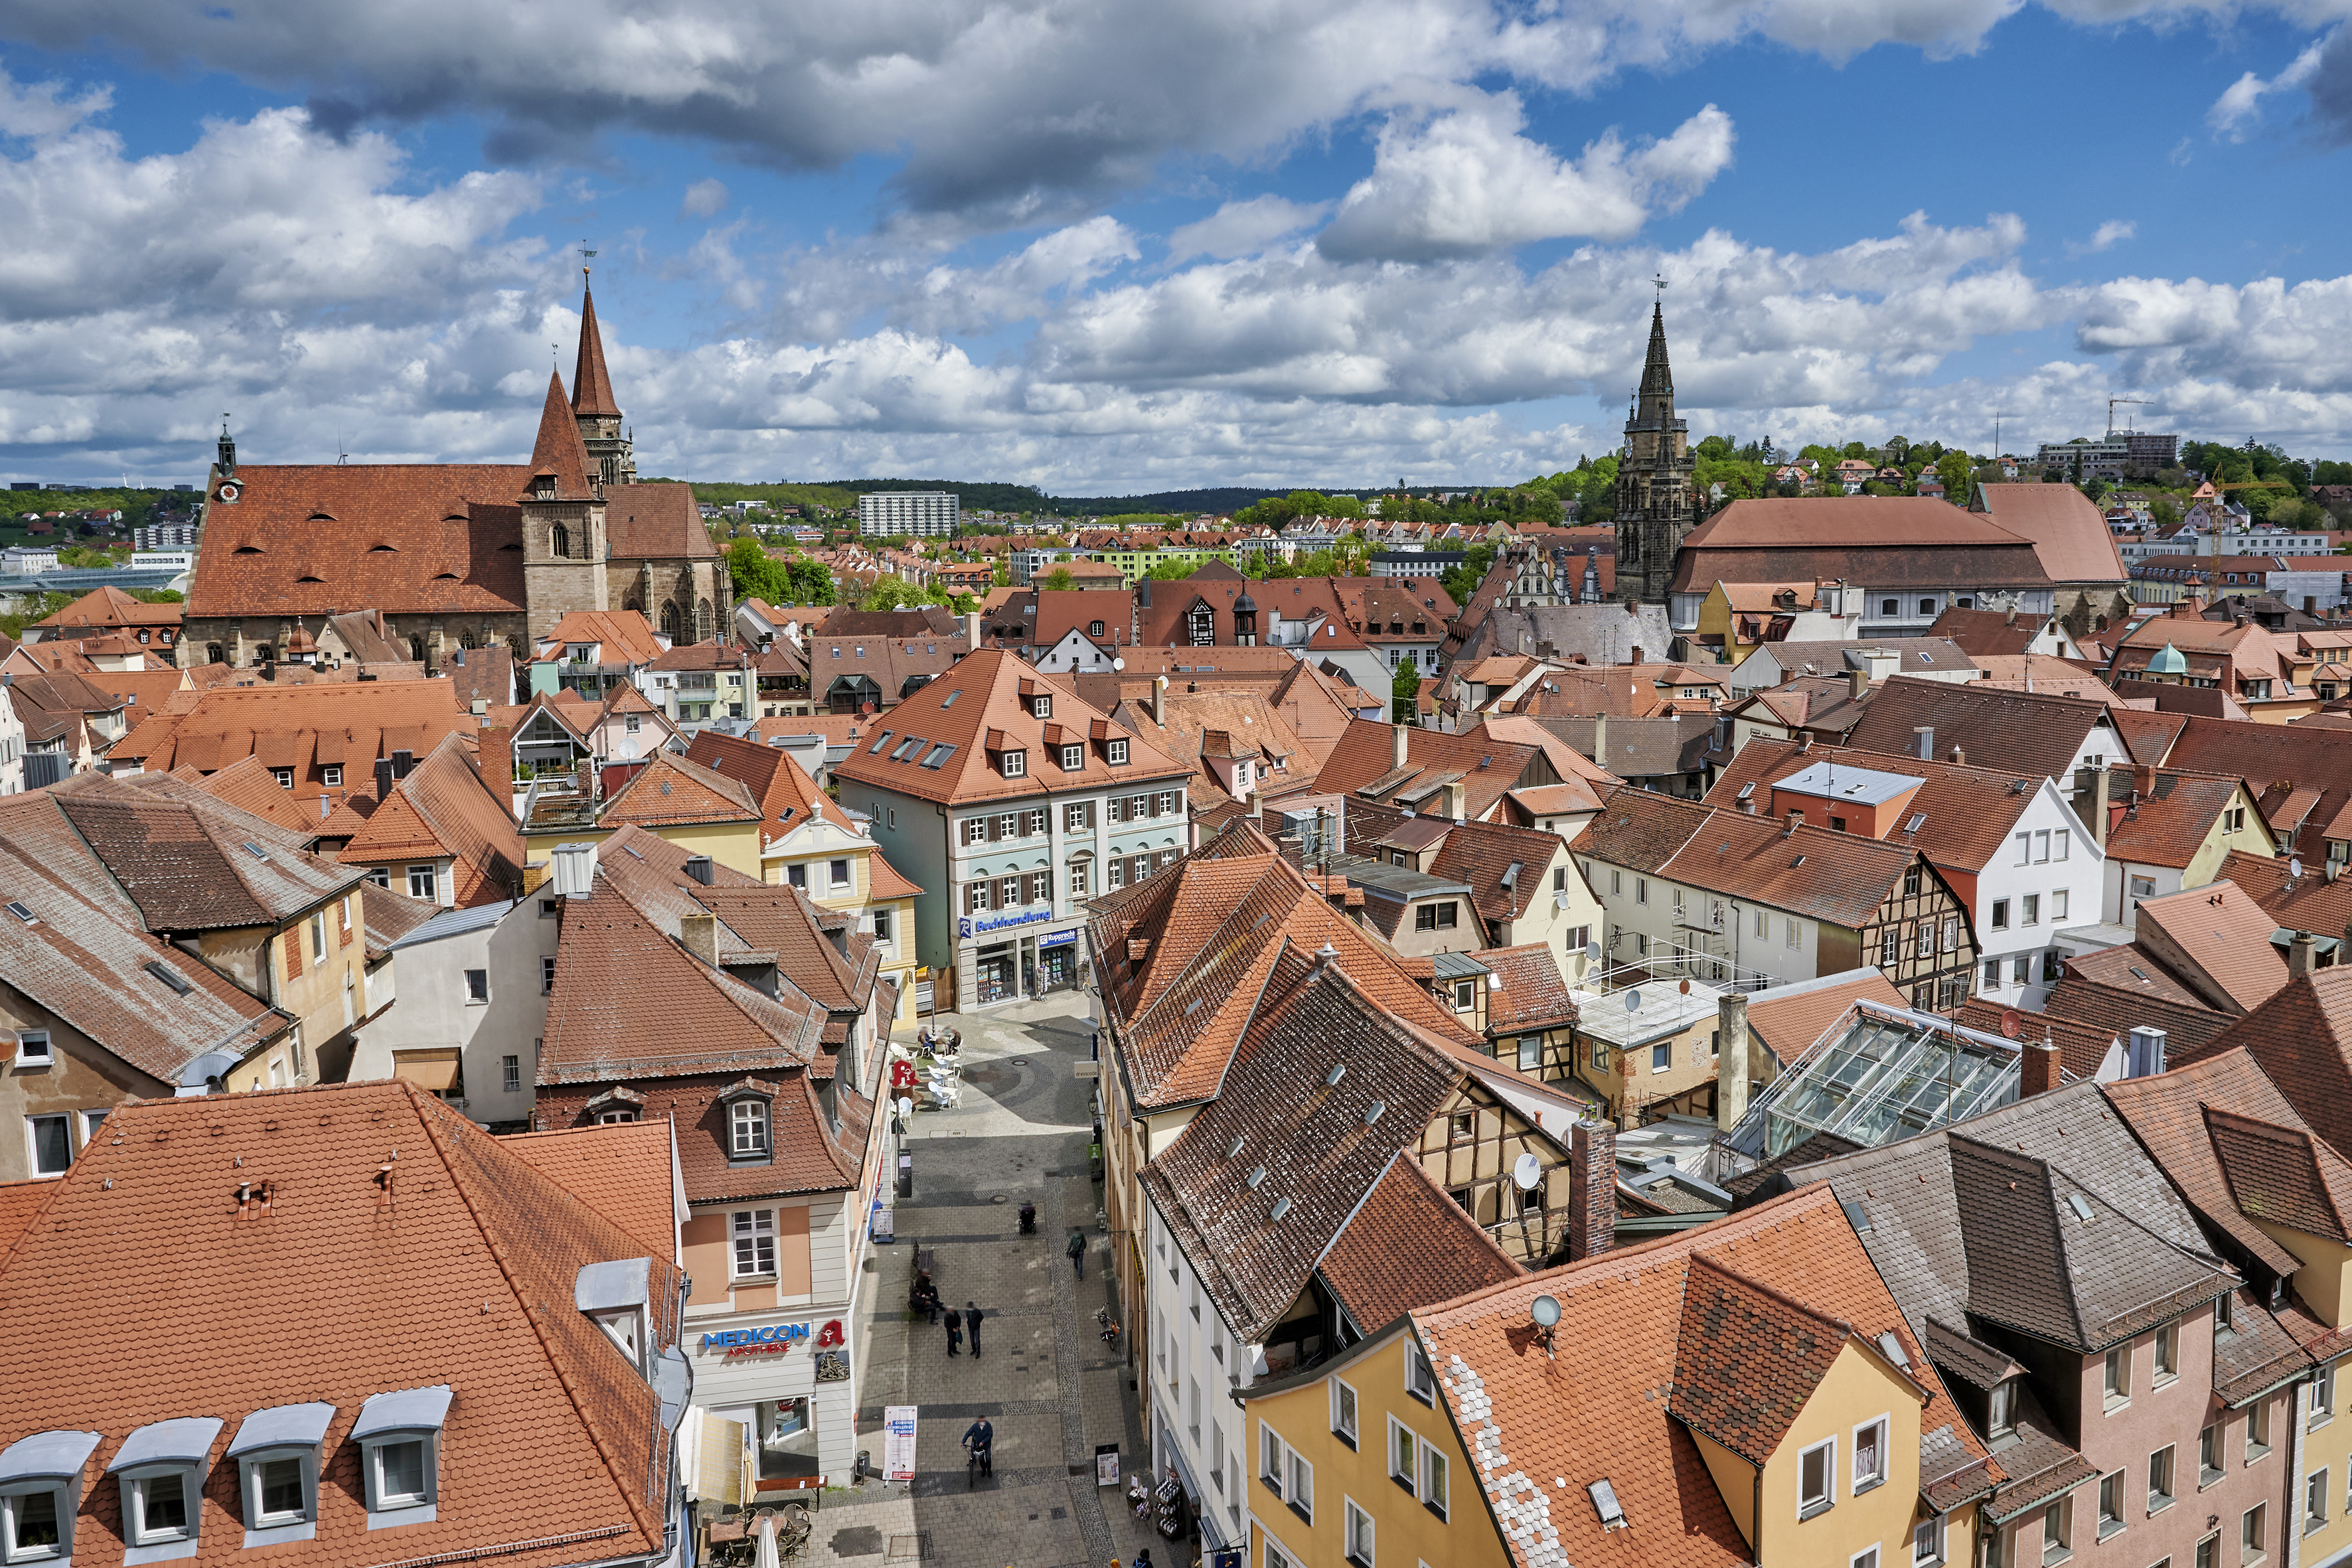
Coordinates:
column 1857, row 683
column 2038, row 1073
column 1731, row 1072
column 2091, row 800
column 1399, row 745
column 2298, row 955
column 1600, row 740
column 971, row 632
column 1804, row 742
column 1160, row 701
column 403, row 763
column 326, row 809
column 1637, row 654
column 383, row 778
column 2144, row 1058
column 697, row 866
column 1924, row 743
column 2144, row 780
column 1454, row 800
column 701, row 935
column 1795, row 820
column 481, row 706
column 1592, row 1189
column 1959, row 757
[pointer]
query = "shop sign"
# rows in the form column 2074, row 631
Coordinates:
column 967, row 926
column 773, row 1339
column 1058, row 939
column 899, row 1443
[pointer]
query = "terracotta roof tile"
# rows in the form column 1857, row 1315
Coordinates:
column 2217, row 940
column 669, row 791
column 787, row 794
column 2032, row 733
column 1534, row 994
column 2275, row 760
column 621, row 1169
column 184, row 865
column 550, row 1434
column 656, row 522
column 2070, row 534
column 1746, row 1360
column 2301, row 1039
column 445, row 808
column 1409, row 1246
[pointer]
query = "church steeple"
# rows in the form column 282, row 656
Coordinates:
column 610, row 461
column 1654, row 477
column 559, row 465
column 591, row 383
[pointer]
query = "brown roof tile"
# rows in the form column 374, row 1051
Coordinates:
column 621, row 1169
column 1746, row 1360
column 2217, row 940
column 2032, row 733
column 670, row 791
column 1409, row 1246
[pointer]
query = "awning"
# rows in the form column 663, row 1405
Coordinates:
column 435, row 1071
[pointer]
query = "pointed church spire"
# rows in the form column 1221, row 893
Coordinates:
column 558, row 454
column 1656, row 398
column 591, row 383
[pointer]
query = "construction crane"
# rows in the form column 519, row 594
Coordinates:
column 2111, row 410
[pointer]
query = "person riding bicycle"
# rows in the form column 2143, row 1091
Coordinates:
column 981, row 1439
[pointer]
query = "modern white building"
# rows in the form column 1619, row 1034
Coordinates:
column 933, row 513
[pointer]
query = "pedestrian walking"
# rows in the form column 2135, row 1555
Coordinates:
column 955, row 1332
column 1077, row 1251
column 972, row 1316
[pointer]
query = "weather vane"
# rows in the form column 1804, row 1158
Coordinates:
column 1659, row 283
column 586, row 255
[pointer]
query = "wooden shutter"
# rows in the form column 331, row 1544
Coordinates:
column 343, row 920
column 291, row 941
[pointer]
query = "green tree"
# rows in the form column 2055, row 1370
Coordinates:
column 756, row 573
column 890, row 592
column 159, row 595
column 1404, row 696
column 1058, row 579
column 1952, row 467
column 1461, row 582
column 811, row 581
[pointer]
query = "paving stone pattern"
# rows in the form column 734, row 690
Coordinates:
column 1044, row 1379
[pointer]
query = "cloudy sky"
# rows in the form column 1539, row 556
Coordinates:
column 1117, row 248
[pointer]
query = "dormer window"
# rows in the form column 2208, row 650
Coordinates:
column 747, row 1130
column 399, row 1437
column 40, row 1493
column 1074, row 759
column 162, row 1471
column 1040, row 707
column 276, row 1455
column 2000, row 1410
column 613, row 1297
column 1117, row 751
column 1016, row 764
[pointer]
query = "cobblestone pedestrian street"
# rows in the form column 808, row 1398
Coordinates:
column 1044, row 1379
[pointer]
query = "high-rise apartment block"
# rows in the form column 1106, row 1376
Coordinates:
column 930, row 512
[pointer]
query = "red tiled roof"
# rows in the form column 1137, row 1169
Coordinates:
column 1409, row 1245
column 1534, row 994
column 2217, row 940
column 2069, row 532
column 2302, row 1040
column 445, row 808
column 558, row 452
column 1789, row 1019
column 621, row 1170
column 787, row 794
column 550, row 1433
column 655, row 523
column 669, row 791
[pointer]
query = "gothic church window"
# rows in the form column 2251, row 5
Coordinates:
column 670, row 621
column 559, row 543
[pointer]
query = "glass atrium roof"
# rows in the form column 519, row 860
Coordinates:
column 1889, row 1075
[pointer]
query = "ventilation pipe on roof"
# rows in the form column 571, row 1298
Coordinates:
column 1857, row 684
column 1601, row 739
column 403, row 763
column 1159, row 701
column 1399, row 745
column 1959, row 757
column 2299, row 954
column 383, row 778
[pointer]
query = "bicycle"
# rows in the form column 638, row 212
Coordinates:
column 982, row 1462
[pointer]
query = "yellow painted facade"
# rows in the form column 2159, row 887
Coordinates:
column 734, row 845
column 1857, row 1390
column 324, row 986
column 2322, row 1405
column 1406, row 1531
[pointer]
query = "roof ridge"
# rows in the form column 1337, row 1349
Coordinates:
column 546, row 1345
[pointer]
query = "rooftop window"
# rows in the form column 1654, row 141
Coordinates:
column 277, row 1455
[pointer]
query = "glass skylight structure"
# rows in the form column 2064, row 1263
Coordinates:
column 1889, row 1075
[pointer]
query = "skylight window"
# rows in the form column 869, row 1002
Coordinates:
column 907, row 748
column 940, row 755
column 170, row 976
column 881, row 741
column 256, row 850
column 23, row 913
column 949, row 700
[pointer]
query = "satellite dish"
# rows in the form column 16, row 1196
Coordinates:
column 2294, row 866
column 1525, row 1171
column 1633, row 1001
column 905, row 1105
column 1545, row 1311
column 1117, row 664
column 2010, row 1023
column 1593, row 952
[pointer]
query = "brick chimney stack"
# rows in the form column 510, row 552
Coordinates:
column 2039, row 1072
column 1592, row 1189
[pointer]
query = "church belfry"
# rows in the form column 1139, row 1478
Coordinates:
column 1656, row 491
column 610, row 460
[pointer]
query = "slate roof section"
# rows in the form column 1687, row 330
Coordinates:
column 1535, row 995
column 2167, row 1113
column 185, row 866
column 2012, row 731
column 1532, row 1421
column 1407, row 1246
column 1319, row 1151
column 551, row 1436
column 1961, row 1240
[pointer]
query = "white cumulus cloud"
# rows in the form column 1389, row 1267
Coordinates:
column 704, row 198
column 1244, row 228
column 1468, row 181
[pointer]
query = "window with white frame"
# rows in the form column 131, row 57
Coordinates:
column 1358, row 1541
column 1343, row 1412
column 423, row 883
column 1275, row 1557
column 2323, row 1396
column 746, row 1121
column 1118, row 753
column 1865, row 1558
column 280, row 1487
column 1016, row 764
column 755, row 1243
column 1404, row 1449
column 1435, row 1492
column 1817, row 1477
column 1928, row 1541
column 1869, row 1455
column 2159, row 1479
column 1074, row 759
column 2111, row 1504
column 1419, row 1381
column 510, row 1074
column 33, row 1048
column 50, row 1141
column 2314, row 1501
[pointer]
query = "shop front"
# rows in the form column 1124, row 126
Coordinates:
column 783, row 1385
column 1007, row 956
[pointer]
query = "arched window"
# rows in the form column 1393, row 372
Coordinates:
column 469, row 640
column 670, row 621
column 559, row 543
column 416, row 650
column 702, row 621
column 213, row 653
column 634, row 603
